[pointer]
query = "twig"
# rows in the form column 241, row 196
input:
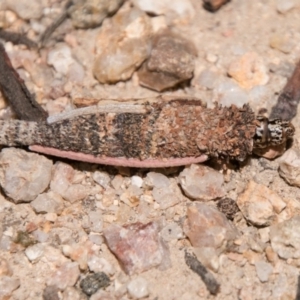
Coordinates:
column 17, row 38
column 16, row 92
column 56, row 23
column 195, row 265
column 298, row 289
column 288, row 100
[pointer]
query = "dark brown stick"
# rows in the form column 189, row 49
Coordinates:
column 195, row 265
column 298, row 289
column 56, row 23
column 16, row 93
column 288, row 100
column 17, row 38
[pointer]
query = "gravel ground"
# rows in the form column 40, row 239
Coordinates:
column 72, row 230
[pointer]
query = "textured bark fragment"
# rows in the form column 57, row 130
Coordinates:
column 166, row 130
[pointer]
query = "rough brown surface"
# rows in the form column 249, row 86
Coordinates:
column 175, row 129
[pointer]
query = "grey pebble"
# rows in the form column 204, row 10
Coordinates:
column 263, row 270
column 91, row 13
column 172, row 232
column 51, row 293
column 48, row 203
column 92, row 283
column 23, row 175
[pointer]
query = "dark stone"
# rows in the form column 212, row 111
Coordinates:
column 228, row 207
column 51, row 293
column 92, row 283
column 171, row 62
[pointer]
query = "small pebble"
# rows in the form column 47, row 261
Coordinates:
column 61, row 235
column 138, row 288
column 172, row 60
column 60, row 104
column 285, row 238
column 101, row 295
column 271, row 255
column 205, row 226
column 76, row 72
column 24, row 175
column 212, row 58
column 40, row 236
column 96, row 239
column 26, row 9
column 79, row 252
column 64, row 276
column 5, row 269
column 24, row 238
column 131, row 196
column 283, row 6
column 172, row 232
column 208, row 79
column 281, row 43
column 159, row 23
column 228, row 92
column 52, row 217
column 281, row 287
column 72, row 293
column 92, row 283
column 168, row 196
column 201, row 183
column 259, row 204
column 137, row 246
column 51, row 293
column 117, row 182
column 7, row 17
column 249, row 70
column 157, row 180
column 263, row 270
column 56, row 257
column 48, row 203
column 99, row 264
column 182, row 8
column 228, row 207
column 62, row 183
column 102, row 178
column 264, row 234
column 109, row 196
column 34, row 252
column 258, row 94
column 60, row 57
column 96, row 221
column 91, row 13
column 7, row 286
column 283, row 68
column 117, row 58
column 137, row 181
column 289, row 167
